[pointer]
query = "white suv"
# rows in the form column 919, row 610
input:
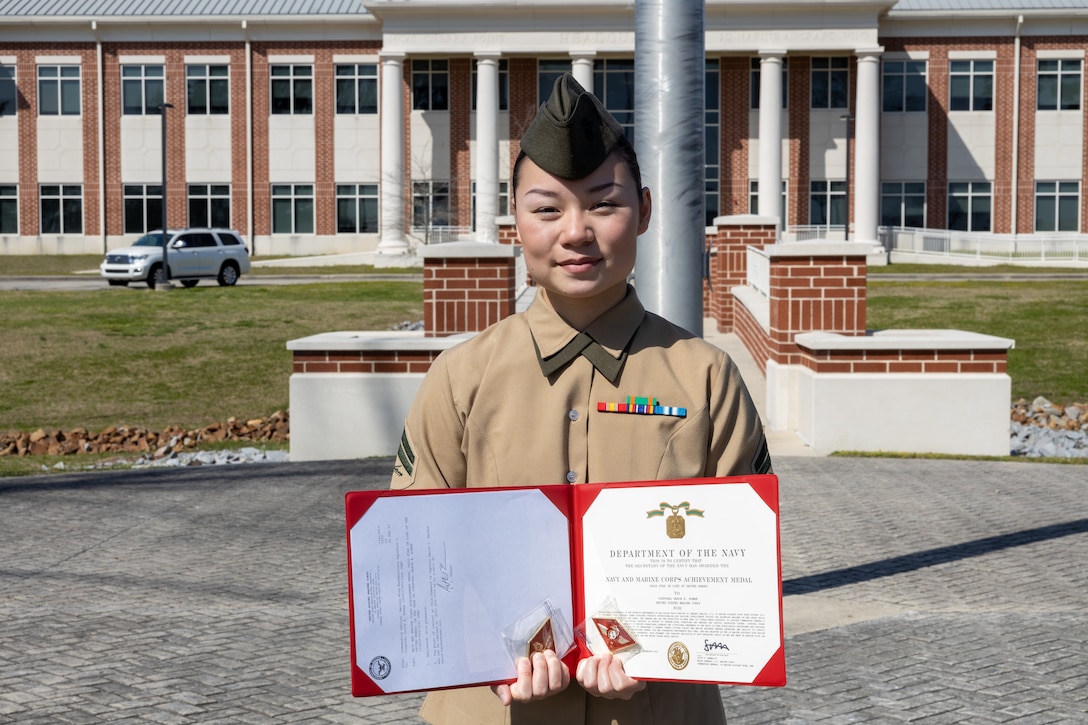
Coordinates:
column 194, row 254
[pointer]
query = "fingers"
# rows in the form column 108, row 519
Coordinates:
column 503, row 693
column 604, row 676
column 543, row 676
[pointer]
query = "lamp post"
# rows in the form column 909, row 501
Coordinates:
column 846, row 222
column 165, row 235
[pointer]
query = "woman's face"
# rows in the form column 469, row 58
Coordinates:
column 578, row 237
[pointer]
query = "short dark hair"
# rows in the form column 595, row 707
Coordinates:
column 627, row 151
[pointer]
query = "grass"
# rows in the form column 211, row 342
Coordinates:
column 186, row 357
column 1045, row 319
column 936, row 269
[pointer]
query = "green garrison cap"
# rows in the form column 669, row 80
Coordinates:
column 572, row 133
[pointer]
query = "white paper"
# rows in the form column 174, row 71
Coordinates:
column 436, row 578
column 704, row 607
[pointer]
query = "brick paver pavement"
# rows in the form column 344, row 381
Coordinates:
column 917, row 591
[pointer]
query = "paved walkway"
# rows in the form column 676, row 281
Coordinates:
column 916, row 591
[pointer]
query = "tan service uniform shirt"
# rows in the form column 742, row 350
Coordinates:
column 486, row 416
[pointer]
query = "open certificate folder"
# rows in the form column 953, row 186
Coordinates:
column 680, row 579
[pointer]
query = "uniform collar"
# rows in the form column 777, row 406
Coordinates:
column 612, row 331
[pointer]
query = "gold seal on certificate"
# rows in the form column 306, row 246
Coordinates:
column 678, row 655
column 543, row 638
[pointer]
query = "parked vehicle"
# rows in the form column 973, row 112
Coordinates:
column 194, row 254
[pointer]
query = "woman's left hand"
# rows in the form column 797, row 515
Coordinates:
column 604, row 676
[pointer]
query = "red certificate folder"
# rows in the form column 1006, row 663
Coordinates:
column 690, row 570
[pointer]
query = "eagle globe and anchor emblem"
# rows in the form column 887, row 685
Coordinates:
column 675, row 526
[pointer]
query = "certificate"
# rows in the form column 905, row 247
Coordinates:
column 689, row 572
column 681, row 579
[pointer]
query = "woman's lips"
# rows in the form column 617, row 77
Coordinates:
column 582, row 264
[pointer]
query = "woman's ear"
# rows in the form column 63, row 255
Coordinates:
column 645, row 206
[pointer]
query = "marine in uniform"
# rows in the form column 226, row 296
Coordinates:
column 538, row 398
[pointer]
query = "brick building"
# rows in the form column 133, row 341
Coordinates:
column 325, row 126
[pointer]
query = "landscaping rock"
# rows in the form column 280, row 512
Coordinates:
column 155, row 444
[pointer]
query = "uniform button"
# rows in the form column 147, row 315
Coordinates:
column 573, row 415
column 571, row 476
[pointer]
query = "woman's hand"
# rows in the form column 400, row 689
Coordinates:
column 604, row 676
column 542, row 676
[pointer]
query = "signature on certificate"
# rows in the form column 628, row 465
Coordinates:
column 445, row 573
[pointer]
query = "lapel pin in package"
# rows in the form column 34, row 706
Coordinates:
column 542, row 628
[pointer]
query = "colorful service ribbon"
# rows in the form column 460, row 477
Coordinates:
column 642, row 406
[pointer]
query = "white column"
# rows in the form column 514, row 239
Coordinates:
column 391, row 220
column 581, row 67
column 770, row 134
column 867, row 146
column 487, row 147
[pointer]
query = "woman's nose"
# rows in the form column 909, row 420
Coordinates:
column 579, row 230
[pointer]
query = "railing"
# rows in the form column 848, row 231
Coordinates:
column 759, row 271
column 440, row 235
column 969, row 246
column 809, row 232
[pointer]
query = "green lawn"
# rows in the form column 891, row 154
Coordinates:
column 190, row 357
column 1046, row 319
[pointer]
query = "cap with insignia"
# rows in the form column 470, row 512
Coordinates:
column 572, row 133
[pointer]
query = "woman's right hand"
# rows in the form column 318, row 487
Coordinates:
column 542, row 676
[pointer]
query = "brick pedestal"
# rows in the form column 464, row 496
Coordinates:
column 728, row 244
column 467, row 286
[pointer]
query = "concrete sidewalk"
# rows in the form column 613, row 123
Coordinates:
column 916, row 591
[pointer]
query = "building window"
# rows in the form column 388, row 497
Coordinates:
column 971, row 85
column 9, row 98
column 356, row 208
column 141, row 89
column 9, row 209
column 903, row 204
column 61, row 208
column 292, row 89
column 357, row 88
column 143, row 207
column 209, row 205
column 614, row 84
column 712, row 197
column 208, row 89
column 547, row 72
column 1059, row 85
column 58, row 90
column 827, row 203
column 754, row 81
column 1057, row 206
column 754, row 197
column 504, row 85
column 292, row 209
column 430, row 204
column 905, row 87
column 430, row 85
column 504, row 201
column 830, row 82
column 969, row 206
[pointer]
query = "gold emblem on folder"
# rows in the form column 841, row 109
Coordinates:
column 675, row 526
